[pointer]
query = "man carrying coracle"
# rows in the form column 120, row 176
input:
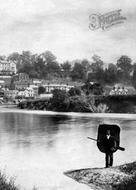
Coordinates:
column 110, row 147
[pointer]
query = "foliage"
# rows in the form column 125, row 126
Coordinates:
column 79, row 104
column 45, row 66
column 92, row 88
column 7, row 184
column 134, row 79
column 48, row 56
column 102, row 108
column 34, row 104
column 124, row 63
column 111, row 74
column 74, row 91
column 39, row 69
column 41, row 90
column 78, row 72
column 53, row 69
column 97, row 71
column 59, row 101
column 125, row 67
column 66, row 68
column 97, row 63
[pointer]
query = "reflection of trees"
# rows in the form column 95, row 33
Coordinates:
column 25, row 129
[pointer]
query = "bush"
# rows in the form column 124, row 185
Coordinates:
column 59, row 101
column 102, row 108
column 74, row 91
column 78, row 104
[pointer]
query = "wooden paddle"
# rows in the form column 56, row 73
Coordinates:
column 119, row 148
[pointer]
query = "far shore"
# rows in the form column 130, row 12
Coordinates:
column 13, row 109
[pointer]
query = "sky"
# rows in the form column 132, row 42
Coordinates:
column 61, row 26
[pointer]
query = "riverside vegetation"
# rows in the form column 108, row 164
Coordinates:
column 73, row 101
column 6, row 184
column 77, row 100
column 9, row 184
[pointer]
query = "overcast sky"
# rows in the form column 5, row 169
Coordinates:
column 62, row 27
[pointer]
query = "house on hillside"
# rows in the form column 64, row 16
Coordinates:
column 7, row 67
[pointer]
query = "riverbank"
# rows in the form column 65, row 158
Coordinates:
column 14, row 109
column 116, row 178
column 65, row 102
column 7, row 184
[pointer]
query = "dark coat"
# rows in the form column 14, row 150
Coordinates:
column 110, row 144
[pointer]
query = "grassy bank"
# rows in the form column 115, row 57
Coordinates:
column 116, row 178
column 7, row 184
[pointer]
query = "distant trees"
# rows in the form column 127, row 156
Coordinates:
column 97, row 73
column 124, row 68
column 66, row 69
column 111, row 74
column 38, row 69
column 134, row 76
column 48, row 56
column 45, row 66
column 53, row 69
column 67, row 102
column 79, row 70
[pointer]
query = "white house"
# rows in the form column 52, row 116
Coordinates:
column 7, row 67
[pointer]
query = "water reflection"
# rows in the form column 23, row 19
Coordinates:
column 24, row 127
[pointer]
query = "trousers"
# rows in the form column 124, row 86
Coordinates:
column 109, row 159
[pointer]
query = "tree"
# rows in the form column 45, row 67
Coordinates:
column 110, row 75
column 97, row 63
column 97, row 73
column 134, row 66
column 66, row 68
column 59, row 101
column 78, row 72
column 87, row 67
column 74, row 91
column 92, row 88
column 134, row 76
column 23, row 59
column 2, row 57
column 39, row 68
column 12, row 85
column 124, row 68
column 53, row 69
column 48, row 56
column 41, row 90
column 26, row 68
column 26, row 57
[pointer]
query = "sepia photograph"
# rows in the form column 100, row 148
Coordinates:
column 67, row 95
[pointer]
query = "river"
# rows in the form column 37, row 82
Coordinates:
column 36, row 148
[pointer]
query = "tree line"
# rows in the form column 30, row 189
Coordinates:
column 46, row 66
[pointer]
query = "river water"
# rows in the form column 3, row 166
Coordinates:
column 36, row 149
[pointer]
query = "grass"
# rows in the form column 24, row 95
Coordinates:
column 9, row 183
column 116, row 178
